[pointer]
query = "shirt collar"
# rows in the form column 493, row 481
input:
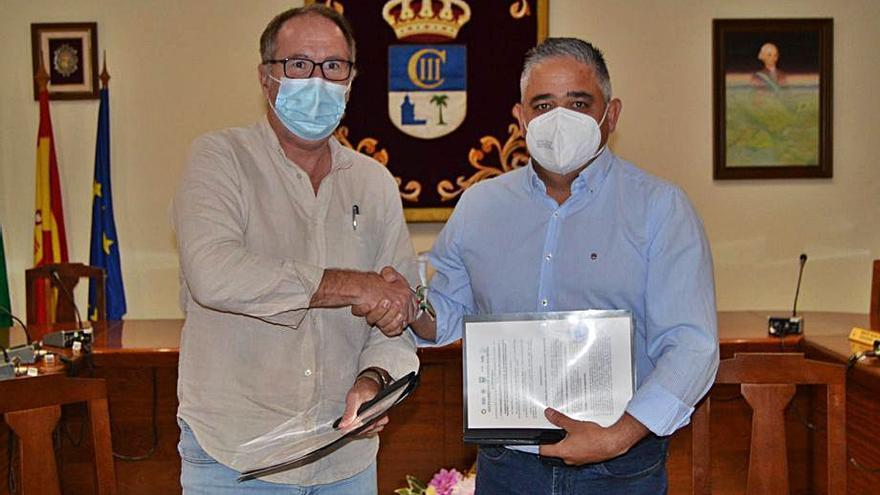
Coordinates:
column 590, row 178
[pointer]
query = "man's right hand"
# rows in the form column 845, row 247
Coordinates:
column 388, row 303
column 385, row 300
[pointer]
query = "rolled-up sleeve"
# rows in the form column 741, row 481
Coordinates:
column 209, row 218
column 680, row 319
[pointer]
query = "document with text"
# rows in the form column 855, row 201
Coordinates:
column 515, row 366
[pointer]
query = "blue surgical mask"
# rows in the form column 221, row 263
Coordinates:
column 310, row 108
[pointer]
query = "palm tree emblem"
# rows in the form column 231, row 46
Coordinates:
column 440, row 101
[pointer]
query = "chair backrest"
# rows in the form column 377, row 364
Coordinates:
column 32, row 406
column 875, row 296
column 767, row 381
column 41, row 279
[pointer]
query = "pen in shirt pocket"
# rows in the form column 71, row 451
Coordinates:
column 355, row 211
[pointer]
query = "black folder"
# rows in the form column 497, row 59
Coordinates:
column 369, row 412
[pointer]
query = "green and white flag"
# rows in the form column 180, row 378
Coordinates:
column 5, row 303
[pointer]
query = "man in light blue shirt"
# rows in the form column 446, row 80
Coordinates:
column 579, row 228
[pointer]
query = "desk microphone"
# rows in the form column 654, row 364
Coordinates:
column 782, row 326
column 68, row 338
column 27, row 334
column 26, row 353
column 70, row 299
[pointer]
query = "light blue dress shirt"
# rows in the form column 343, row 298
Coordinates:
column 623, row 240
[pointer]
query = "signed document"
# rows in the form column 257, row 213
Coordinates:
column 515, row 366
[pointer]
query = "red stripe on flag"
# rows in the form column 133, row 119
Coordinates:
column 54, row 186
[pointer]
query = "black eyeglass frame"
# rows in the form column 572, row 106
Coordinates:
column 284, row 61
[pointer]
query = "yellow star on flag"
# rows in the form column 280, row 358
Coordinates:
column 96, row 189
column 107, row 244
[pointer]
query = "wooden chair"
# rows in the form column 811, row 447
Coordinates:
column 875, row 297
column 32, row 406
column 767, row 381
column 68, row 275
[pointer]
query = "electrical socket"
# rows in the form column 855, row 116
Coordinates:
column 779, row 326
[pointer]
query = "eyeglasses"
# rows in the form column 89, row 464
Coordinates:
column 303, row 68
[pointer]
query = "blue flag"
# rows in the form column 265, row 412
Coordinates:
column 104, row 250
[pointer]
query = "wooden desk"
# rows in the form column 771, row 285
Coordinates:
column 425, row 432
column 830, row 343
column 137, row 343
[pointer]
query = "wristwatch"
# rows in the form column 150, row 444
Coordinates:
column 378, row 375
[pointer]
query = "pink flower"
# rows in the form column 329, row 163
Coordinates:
column 466, row 486
column 444, row 481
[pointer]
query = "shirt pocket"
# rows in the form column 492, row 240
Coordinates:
column 350, row 246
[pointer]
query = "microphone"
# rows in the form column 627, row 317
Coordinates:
column 70, row 299
column 79, row 338
column 797, row 289
column 780, row 326
column 27, row 334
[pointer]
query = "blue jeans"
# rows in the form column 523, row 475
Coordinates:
column 641, row 471
column 202, row 475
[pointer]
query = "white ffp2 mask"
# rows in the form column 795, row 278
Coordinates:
column 562, row 140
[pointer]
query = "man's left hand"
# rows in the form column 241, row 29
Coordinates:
column 363, row 390
column 586, row 442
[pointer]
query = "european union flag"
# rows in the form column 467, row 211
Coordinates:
column 104, row 250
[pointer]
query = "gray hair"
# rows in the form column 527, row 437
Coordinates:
column 269, row 38
column 567, row 47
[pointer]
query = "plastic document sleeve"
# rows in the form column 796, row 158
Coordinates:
column 287, row 448
column 516, row 365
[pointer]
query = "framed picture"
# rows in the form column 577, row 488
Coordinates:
column 70, row 57
column 772, row 98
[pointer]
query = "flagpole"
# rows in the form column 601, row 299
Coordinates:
column 105, row 76
column 42, row 77
column 42, row 288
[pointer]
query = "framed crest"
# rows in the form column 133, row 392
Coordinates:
column 436, row 86
column 772, row 98
column 69, row 54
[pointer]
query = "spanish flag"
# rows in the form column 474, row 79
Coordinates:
column 50, row 240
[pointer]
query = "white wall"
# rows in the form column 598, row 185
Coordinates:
column 181, row 68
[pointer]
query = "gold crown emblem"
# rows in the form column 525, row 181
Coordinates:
column 426, row 20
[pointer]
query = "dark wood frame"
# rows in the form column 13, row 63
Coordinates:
column 85, row 30
column 825, row 29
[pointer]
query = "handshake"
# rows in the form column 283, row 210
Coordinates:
column 386, row 301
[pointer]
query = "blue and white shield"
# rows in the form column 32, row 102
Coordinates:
column 427, row 88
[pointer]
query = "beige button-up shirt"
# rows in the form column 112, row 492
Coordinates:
column 254, row 240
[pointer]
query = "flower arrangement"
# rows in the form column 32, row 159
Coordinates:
column 444, row 482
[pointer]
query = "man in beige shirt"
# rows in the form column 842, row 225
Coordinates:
column 281, row 231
